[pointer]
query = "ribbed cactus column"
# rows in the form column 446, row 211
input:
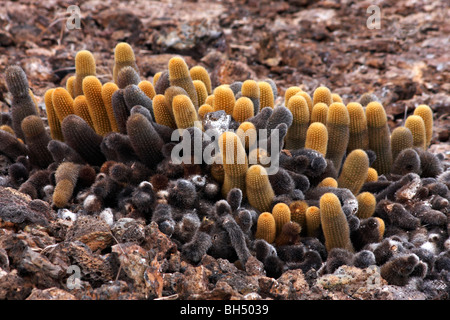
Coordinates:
column 250, row 89
column 184, row 112
column 417, row 127
column 296, row 134
column 266, row 95
column 319, row 113
column 338, row 122
column 200, row 73
column 52, row 118
column 66, row 177
column 282, row 215
column 426, row 114
column 161, row 109
column 359, row 135
column 259, row 190
column 123, row 57
column 401, row 138
column 334, row 223
column 322, row 94
column 92, row 89
column 379, row 137
column 63, row 103
column 312, row 216
column 179, row 76
column 224, row 99
column 108, row 90
column 84, row 66
column 235, row 162
column 317, row 137
column 37, row 139
column 243, row 109
column 265, row 227
column 354, row 171
column 81, row 109
column 22, row 104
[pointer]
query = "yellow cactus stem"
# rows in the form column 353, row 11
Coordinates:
column 372, row 175
column 266, row 97
column 417, row 127
column 258, row 188
column 319, row 113
column 224, row 99
column 62, row 103
column 66, row 177
column 250, row 89
column 200, row 73
column 296, row 134
column 92, row 89
column 359, row 135
column 107, row 91
column 148, row 88
column 265, row 227
column 290, row 92
column 161, row 109
column 282, row 215
column 426, row 114
column 379, row 137
column 184, row 112
column 336, row 98
column 381, row 227
column 70, row 86
column 204, row 109
column 298, row 212
column 338, row 122
column 366, row 205
column 84, row 66
column 202, row 93
column 334, row 223
column 234, row 161
column 52, row 118
column 8, row 129
column 156, row 77
column 322, row 94
column 309, row 101
column 401, row 138
column 312, row 217
column 243, row 109
column 354, row 171
column 171, row 93
column 179, row 76
column 328, row 182
column 317, row 137
column 217, row 170
column 247, row 134
column 123, row 57
column 81, row 109
column 210, row 100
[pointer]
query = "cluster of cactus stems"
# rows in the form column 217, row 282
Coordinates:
column 331, row 153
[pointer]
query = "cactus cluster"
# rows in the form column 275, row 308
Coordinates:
column 343, row 185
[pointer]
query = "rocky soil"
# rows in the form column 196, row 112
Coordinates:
column 306, row 43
